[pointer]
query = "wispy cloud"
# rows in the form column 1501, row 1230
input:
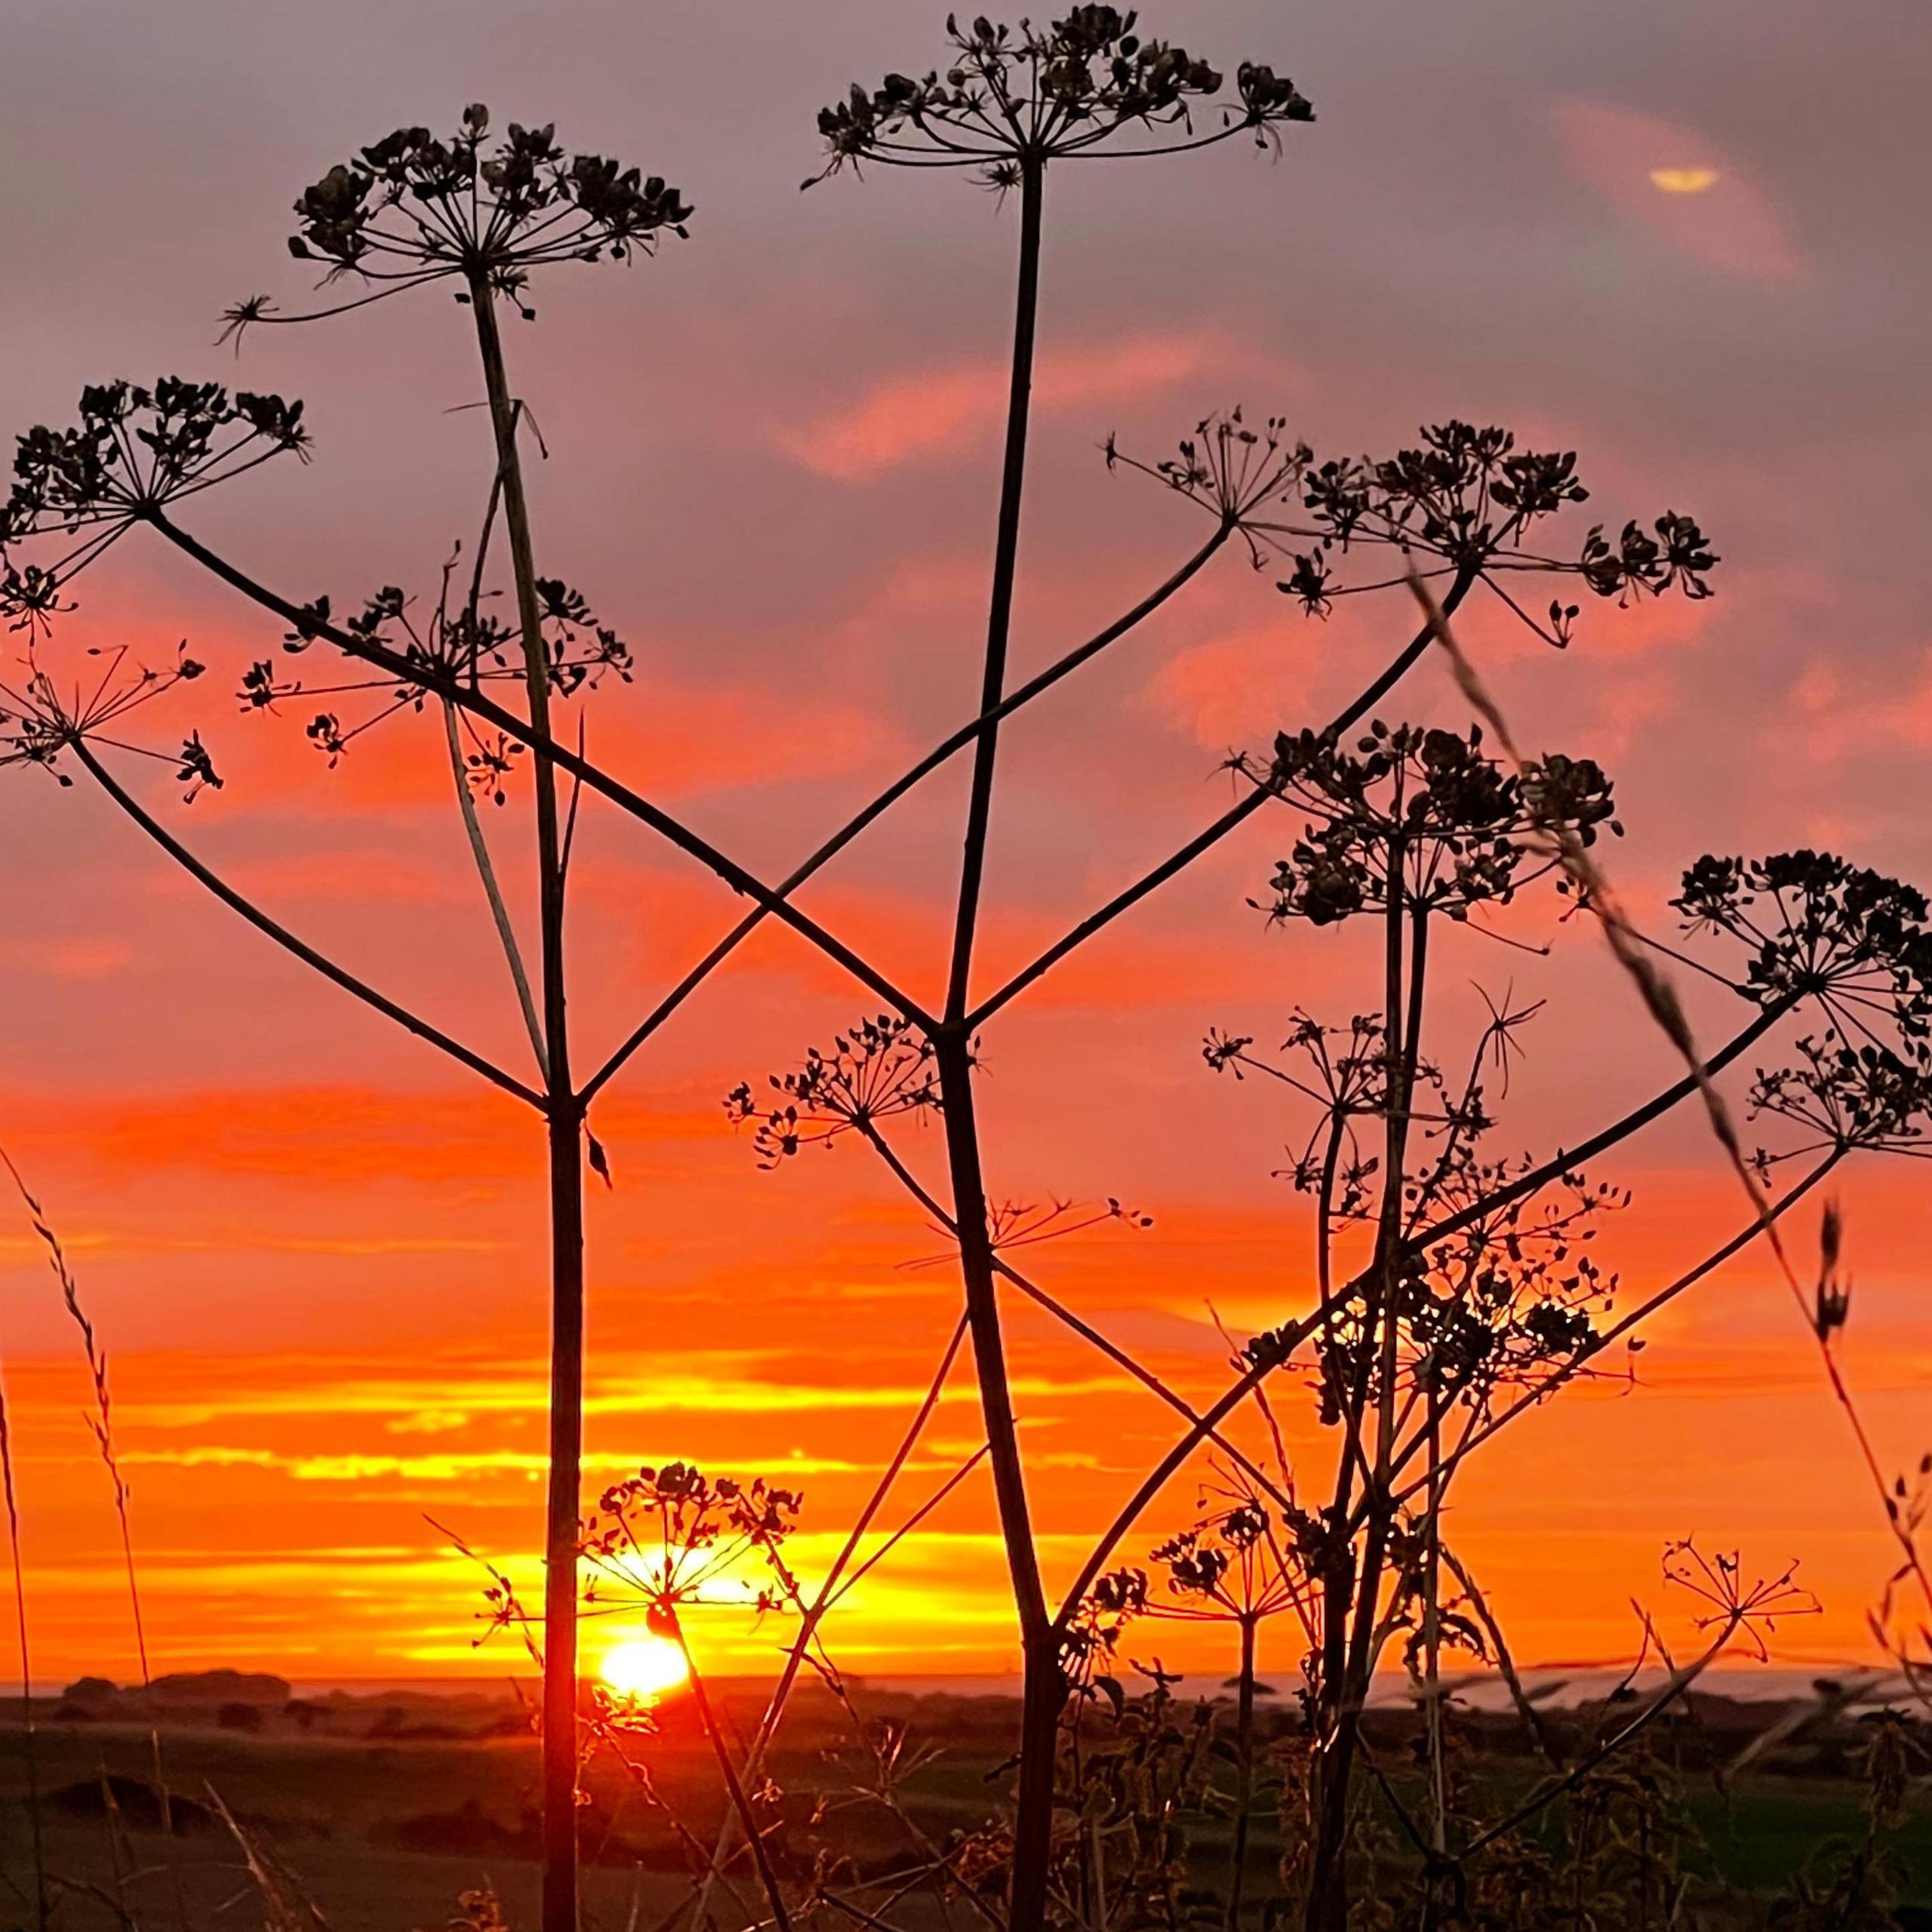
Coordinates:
column 1675, row 183
column 955, row 407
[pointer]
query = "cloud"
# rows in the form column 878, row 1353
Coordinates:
column 455, row 1466
column 924, row 414
column 335, row 1134
column 85, row 960
column 1835, row 717
column 1676, row 184
column 673, row 738
column 723, row 1385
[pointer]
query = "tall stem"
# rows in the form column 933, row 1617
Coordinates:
column 734, row 1787
column 486, row 871
column 1044, row 1687
column 565, row 1124
column 1328, row 1899
column 1431, row 1611
column 1043, row 1690
column 999, row 609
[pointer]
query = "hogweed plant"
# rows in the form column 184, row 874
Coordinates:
column 1234, row 1566
column 1456, row 1288
column 1471, row 1292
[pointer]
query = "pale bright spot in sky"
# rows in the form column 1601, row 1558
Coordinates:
column 1683, row 180
column 643, row 1667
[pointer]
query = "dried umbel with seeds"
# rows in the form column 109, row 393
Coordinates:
column 1011, row 98
column 414, row 207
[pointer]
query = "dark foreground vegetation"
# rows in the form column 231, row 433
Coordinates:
column 367, row 1812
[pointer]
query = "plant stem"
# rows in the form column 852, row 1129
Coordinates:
column 479, row 851
column 1237, row 815
column 412, row 674
column 876, row 808
column 999, row 613
column 30, row 1740
column 813, row 1615
column 1568, row 1160
column 1244, row 1771
column 283, row 937
column 1431, row 1611
column 1402, row 1011
column 565, row 1121
column 734, row 1785
column 1045, row 1688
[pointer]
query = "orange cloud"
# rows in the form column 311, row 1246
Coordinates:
column 1676, row 184
column 83, row 959
column 1837, row 717
column 333, row 1134
column 919, row 415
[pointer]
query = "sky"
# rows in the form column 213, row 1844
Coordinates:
column 1682, row 240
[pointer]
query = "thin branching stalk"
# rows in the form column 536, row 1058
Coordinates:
column 29, row 1732
column 339, row 976
column 813, row 1615
column 947, row 749
column 734, row 1785
column 101, row 1424
column 1120, row 1357
column 486, row 871
column 541, row 744
column 1244, row 1772
column 1230, row 821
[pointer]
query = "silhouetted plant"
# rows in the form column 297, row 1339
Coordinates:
column 413, row 208
column 1010, row 99
column 878, row 1070
column 409, row 211
column 1236, row 1565
column 1479, row 1296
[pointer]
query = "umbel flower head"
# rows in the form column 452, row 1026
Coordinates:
column 876, row 1070
column 1817, row 927
column 41, row 717
column 672, row 1538
column 135, row 449
column 1464, row 830
column 1466, row 500
column 414, row 208
column 138, row 450
column 1012, row 98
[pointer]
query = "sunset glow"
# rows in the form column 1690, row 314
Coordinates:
column 644, row 1667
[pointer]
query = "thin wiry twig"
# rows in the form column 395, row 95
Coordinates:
column 486, row 871
column 100, row 1425
column 29, row 1734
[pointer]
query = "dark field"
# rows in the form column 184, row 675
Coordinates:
column 381, row 1811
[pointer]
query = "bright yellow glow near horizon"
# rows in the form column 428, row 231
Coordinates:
column 643, row 1667
column 1684, row 180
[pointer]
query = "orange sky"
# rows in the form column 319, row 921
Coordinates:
column 316, row 1257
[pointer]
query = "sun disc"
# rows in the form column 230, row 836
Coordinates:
column 1684, row 180
column 643, row 1667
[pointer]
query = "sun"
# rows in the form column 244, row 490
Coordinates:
column 643, row 1667
column 1684, row 180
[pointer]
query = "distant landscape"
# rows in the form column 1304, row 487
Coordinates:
column 381, row 1808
